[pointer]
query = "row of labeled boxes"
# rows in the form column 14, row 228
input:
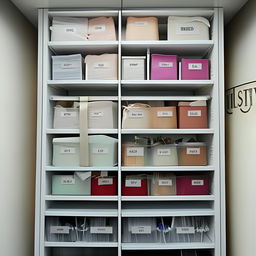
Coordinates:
column 105, row 67
column 134, row 230
column 103, row 152
column 137, row 28
column 157, row 184
column 103, row 115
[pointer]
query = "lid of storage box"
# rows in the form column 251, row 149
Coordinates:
column 70, row 57
column 133, row 57
column 197, row 103
column 190, row 19
column 103, row 139
column 66, row 140
column 191, row 144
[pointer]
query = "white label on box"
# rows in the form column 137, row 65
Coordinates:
column 134, row 64
column 101, row 230
column 68, row 180
column 163, row 151
column 68, row 65
column 194, row 113
column 67, row 150
column 135, row 151
column 165, row 182
column 195, row 66
column 68, row 114
column 141, row 230
column 70, row 30
column 96, row 114
column 141, row 23
column 100, row 150
column 105, row 181
column 101, row 65
column 197, row 182
column 99, row 28
column 165, row 64
column 186, row 29
column 185, row 230
column 164, row 113
column 133, row 183
column 193, row 151
column 136, row 114
column 59, row 229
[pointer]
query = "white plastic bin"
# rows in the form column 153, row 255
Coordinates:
column 133, row 68
column 67, row 67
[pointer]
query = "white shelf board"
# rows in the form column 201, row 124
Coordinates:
column 180, row 47
column 171, row 98
column 84, row 84
column 71, row 168
column 82, row 212
column 76, row 131
column 167, row 131
column 154, row 212
column 77, row 98
column 168, row 198
column 80, row 244
column 80, row 198
column 83, row 47
column 168, row 246
column 168, row 168
column 166, row 84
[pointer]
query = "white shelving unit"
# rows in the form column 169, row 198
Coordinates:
column 120, row 207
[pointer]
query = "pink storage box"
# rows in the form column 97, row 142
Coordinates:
column 164, row 67
column 195, row 69
column 192, row 185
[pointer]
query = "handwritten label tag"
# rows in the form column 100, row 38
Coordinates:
column 135, row 151
column 68, row 114
column 164, row 113
column 193, row 151
column 185, row 230
column 68, row 65
column 165, row 64
column 163, row 152
column 59, row 230
column 133, row 183
column 105, row 181
column 194, row 113
column 96, row 114
column 67, row 180
column 187, row 29
column 101, row 230
column 67, row 150
column 101, row 65
column 100, row 150
column 165, row 182
column 197, row 182
column 70, row 30
column 141, row 230
column 134, row 64
column 99, row 28
column 141, row 23
column 195, row 66
column 136, row 114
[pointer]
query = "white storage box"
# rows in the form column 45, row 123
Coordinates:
column 133, row 67
column 67, row 67
column 188, row 28
column 101, row 115
column 101, row 67
column 69, row 29
column 136, row 116
column 164, row 155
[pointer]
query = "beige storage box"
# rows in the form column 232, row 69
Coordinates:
column 133, row 68
column 142, row 28
column 188, row 28
column 101, row 67
column 102, row 29
column 69, row 29
column 163, row 118
column 133, row 154
column 136, row 116
column 163, row 184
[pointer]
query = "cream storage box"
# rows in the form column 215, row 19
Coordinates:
column 188, row 28
column 102, row 151
column 163, row 184
column 67, row 67
column 133, row 67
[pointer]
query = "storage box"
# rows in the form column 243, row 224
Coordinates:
column 192, row 185
column 67, row 67
column 77, row 184
column 104, row 186
column 195, row 69
column 101, row 67
column 192, row 153
column 133, row 154
column 164, row 155
column 193, row 115
column 163, row 184
column 69, row 29
column 102, row 29
column 163, row 118
column 133, row 68
column 142, row 28
column 188, row 28
column 134, row 186
column 164, row 67
column 136, row 116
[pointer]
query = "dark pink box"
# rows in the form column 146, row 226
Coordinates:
column 195, row 69
column 192, row 185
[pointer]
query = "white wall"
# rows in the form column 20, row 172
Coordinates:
column 18, row 67
column 241, row 133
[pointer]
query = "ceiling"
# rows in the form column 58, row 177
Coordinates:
column 29, row 7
